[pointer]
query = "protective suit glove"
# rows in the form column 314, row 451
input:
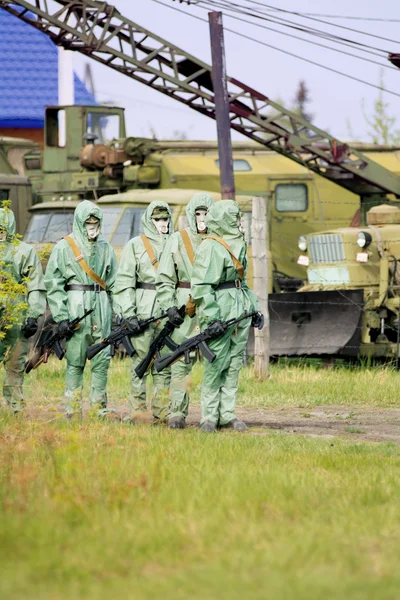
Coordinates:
column 133, row 324
column 29, row 328
column 64, row 329
column 174, row 317
column 216, row 328
column 258, row 320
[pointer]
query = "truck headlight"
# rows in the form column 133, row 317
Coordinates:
column 364, row 239
column 302, row 243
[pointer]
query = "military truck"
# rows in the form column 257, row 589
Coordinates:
column 14, row 185
column 350, row 305
column 96, row 160
column 51, row 221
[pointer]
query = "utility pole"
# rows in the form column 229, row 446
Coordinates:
column 221, row 105
column 259, row 244
column 66, row 94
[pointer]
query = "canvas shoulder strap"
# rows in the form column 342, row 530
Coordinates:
column 238, row 265
column 150, row 251
column 188, row 245
column 89, row 272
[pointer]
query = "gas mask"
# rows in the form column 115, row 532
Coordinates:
column 201, row 219
column 161, row 224
column 92, row 226
column 3, row 234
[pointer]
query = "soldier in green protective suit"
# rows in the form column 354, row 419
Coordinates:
column 220, row 291
column 79, row 276
column 135, row 298
column 173, row 290
column 21, row 262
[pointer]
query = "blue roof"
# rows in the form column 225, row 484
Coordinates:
column 29, row 74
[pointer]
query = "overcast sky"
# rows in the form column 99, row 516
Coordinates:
column 335, row 99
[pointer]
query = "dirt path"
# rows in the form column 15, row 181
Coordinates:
column 375, row 425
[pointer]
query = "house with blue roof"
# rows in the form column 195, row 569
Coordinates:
column 29, row 79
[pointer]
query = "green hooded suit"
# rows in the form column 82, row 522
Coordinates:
column 21, row 261
column 63, row 269
column 214, row 265
column 175, row 268
column 132, row 300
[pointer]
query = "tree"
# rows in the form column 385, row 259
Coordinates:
column 12, row 294
column 382, row 125
column 298, row 106
column 301, row 99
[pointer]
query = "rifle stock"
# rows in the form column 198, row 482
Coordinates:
column 166, row 361
column 144, row 364
column 197, row 342
column 91, row 351
column 163, row 339
column 50, row 342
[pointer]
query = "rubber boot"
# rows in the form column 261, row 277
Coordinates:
column 208, row 427
column 177, row 423
column 235, row 424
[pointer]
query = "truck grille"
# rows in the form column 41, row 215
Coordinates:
column 326, row 248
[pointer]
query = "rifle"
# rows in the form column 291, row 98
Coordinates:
column 198, row 341
column 52, row 344
column 163, row 339
column 121, row 334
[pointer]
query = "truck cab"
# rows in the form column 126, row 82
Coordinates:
column 14, row 184
column 350, row 303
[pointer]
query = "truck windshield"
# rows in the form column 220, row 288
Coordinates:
column 129, row 226
column 111, row 216
column 119, row 225
column 49, row 227
column 105, row 126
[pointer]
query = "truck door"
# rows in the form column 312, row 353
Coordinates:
column 291, row 215
column 17, row 189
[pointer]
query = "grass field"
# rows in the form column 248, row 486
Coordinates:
column 290, row 384
column 108, row 510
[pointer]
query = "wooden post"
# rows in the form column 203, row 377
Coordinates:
column 221, row 98
column 259, row 241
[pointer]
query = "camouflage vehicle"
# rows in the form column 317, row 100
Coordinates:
column 14, row 185
column 51, row 221
column 97, row 160
column 350, row 305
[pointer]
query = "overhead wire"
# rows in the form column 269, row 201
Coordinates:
column 260, row 42
column 318, row 20
column 370, row 61
column 350, row 17
column 229, row 5
column 346, row 17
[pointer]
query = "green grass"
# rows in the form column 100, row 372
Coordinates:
column 106, row 510
column 301, row 385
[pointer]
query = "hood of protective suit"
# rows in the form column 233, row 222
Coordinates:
column 149, row 228
column 222, row 219
column 83, row 211
column 7, row 221
column 198, row 200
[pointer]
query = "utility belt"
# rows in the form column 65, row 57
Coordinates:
column 184, row 284
column 141, row 285
column 83, row 287
column 227, row 285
